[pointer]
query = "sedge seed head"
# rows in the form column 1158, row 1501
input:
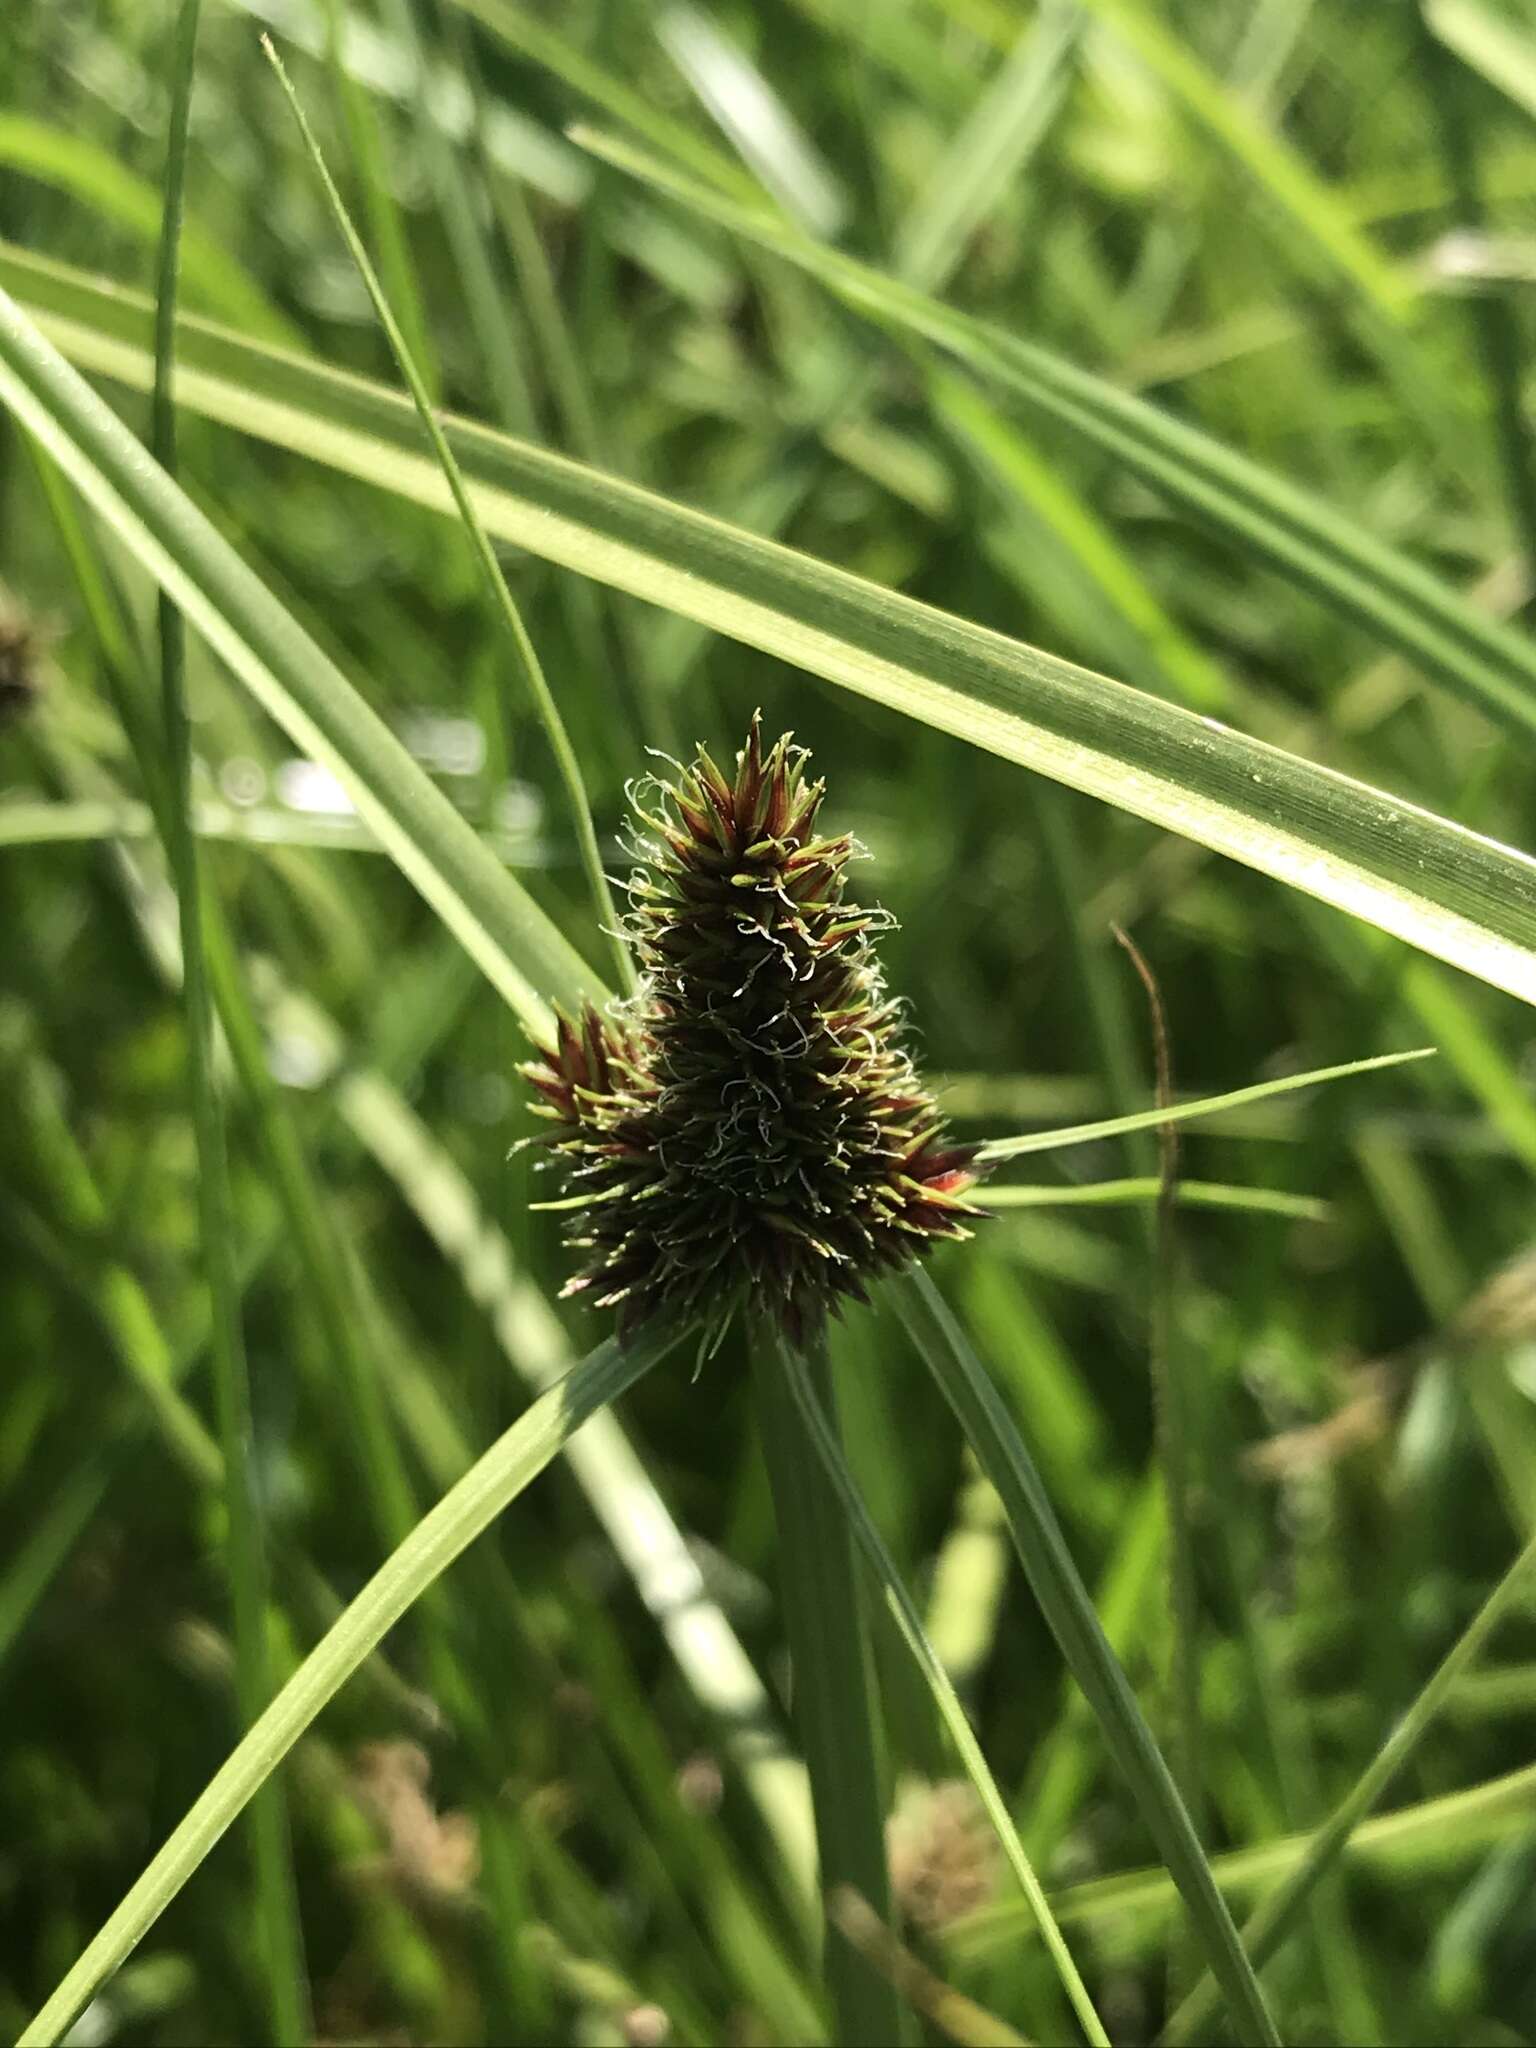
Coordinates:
column 750, row 1129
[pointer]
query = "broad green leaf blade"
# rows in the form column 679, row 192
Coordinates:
column 1295, row 533
column 1184, row 1112
column 511, row 940
column 465, row 1512
column 1448, row 891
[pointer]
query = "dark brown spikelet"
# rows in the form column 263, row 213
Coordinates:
column 750, row 1131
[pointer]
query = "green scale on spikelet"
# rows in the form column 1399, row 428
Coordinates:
column 749, row 1129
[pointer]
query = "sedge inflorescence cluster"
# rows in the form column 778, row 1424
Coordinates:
column 749, row 1129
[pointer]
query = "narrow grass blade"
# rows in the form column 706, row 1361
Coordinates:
column 1276, row 1916
column 1387, row 861
column 280, row 1942
column 1069, row 1612
column 511, row 1465
column 986, row 152
column 998, row 450
column 834, row 1700
column 522, row 32
column 945, row 1698
column 367, row 147
column 1415, row 1841
column 763, row 131
column 25, row 821
column 1183, row 1112
column 524, row 655
column 1492, row 312
column 1192, row 1194
column 489, row 315
column 511, row 940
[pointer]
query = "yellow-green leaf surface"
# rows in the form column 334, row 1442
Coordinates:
column 1420, row 877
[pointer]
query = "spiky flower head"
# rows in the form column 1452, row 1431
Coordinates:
column 749, row 1129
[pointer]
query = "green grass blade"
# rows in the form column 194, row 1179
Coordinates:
column 1184, row 1112
column 1492, row 312
column 1274, row 1919
column 988, row 149
column 491, row 317
column 279, row 1938
column 1069, row 1612
column 1435, row 1834
column 525, row 658
column 520, row 31
column 945, row 1698
column 999, row 451
column 834, row 1699
column 1490, row 44
column 508, row 936
column 1415, row 875
column 511, row 1465
column 368, row 151
column 762, row 130
column 1270, row 519
column 1319, row 220
column 1191, row 1194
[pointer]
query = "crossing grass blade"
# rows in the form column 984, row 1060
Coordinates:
column 525, row 660
column 1070, row 1614
column 511, row 1465
column 998, row 1149
column 1420, row 877
column 1430, row 1836
column 945, row 1698
column 280, row 1940
column 1268, row 518
column 512, row 941
column 834, row 1700
column 1278, row 1913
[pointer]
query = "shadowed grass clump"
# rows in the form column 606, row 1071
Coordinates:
column 751, row 1128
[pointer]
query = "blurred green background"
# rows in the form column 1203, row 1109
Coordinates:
column 1286, row 223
